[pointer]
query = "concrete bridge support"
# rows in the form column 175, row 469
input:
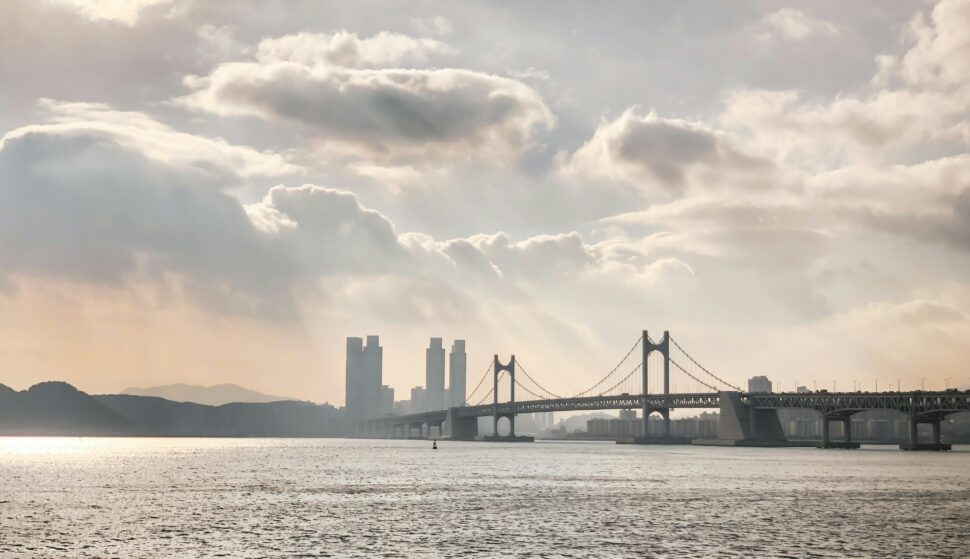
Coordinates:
column 827, row 441
column 743, row 425
column 460, row 428
column 914, row 444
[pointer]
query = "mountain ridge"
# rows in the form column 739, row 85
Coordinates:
column 212, row 395
column 56, row 408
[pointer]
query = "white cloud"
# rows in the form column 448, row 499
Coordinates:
column 941, row 53
column 120, row 11
column 790, row 24
column 348, row 50
column 153, row 139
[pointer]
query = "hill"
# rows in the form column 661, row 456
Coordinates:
column 215, row 395
column 57, row 408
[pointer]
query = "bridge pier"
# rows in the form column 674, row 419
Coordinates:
column 740, row 424
column 846, row 441
column 460, row 428
column 914, row 444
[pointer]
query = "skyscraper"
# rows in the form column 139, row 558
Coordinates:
column 434, row 375
column 364, row 370
column 456, row 374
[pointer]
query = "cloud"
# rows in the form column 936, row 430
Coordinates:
column 381, row 112
column 120, row 11
column 84, row 207
column 790, row 24
column 671, row 154
column 326, row 231
column 941, row 53
column 154, row 140
column 919, row 105
column 348, row 50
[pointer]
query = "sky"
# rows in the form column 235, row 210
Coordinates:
column 208, row 192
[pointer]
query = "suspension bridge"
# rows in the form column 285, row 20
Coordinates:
column 745, row 418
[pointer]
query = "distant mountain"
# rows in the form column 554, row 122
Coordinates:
column 57, row 408
column 215, row 395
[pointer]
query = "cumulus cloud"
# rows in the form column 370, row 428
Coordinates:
column 304, row 81
column 86, row 208
column 120, row 11
column 941, row 53
column 326, row 230
column 669, row 153
column 921, row 103
column 790, row 24
column 348, row 50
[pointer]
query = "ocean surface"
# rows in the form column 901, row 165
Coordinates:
column 129, row 497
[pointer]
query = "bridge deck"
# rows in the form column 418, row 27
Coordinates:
column 925, row 404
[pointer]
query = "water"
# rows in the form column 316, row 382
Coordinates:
column 72, row 497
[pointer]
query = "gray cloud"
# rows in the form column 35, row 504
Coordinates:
column 80, row 207
column 673, row 154
column 382, row 112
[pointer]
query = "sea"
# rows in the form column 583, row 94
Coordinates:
column 187, row 497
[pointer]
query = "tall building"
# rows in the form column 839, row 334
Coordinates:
column 759, row 384
column 434, row 376
column 364, row 393
column 387, row 400
column 418, row 399
column 456, row 374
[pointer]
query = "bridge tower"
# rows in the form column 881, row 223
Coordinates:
column 497, row 369
column 663, row 346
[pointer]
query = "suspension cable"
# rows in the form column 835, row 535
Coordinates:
column 624, row 379
column 694, row 361
column 618, row 365
column 519, row 367
column 523, row 387
column 477, row 386
column 485, row 397
column 676, row 364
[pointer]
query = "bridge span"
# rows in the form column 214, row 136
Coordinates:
column 745, row 418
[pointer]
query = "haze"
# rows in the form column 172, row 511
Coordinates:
column 222, row 192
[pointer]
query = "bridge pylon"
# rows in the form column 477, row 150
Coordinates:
column 497, row 369
column 649, row 346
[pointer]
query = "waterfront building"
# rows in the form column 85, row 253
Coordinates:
column 457, row 374
column 363, row 392
column 434, row 376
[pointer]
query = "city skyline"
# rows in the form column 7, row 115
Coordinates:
column 367, row 395
column 202, row 192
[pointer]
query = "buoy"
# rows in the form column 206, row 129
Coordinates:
column 434, row 445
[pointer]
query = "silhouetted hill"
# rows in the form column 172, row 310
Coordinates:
column 56, row 408
column 215, row 395
column 156, row 416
